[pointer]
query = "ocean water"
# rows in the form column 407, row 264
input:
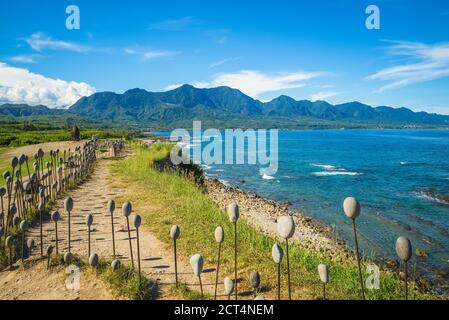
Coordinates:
column 400, row 178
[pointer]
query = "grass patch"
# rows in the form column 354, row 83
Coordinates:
column 182, row 292
column 166, row 198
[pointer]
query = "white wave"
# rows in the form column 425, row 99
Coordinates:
column 267, row 177
column 206, row 167
column 430, row 197
column 225, row 182
column 336, row 173
column 326, row 166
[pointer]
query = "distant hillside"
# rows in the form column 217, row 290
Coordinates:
column 224, row 106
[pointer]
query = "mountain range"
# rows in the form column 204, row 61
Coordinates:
column 224, row 106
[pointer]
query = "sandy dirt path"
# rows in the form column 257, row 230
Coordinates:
column 37, row 283
column 156, row 258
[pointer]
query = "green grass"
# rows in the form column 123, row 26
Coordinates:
column 166, row 198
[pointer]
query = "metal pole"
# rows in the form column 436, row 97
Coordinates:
column 218, row 269
column 130, row 245
column 56, row 231
column 138, row 256
column 88, row 240
column 201, row 284
column 279, row 281
column 41, row 236
column 358, row 259
column 288, row 270
column 113, row 237
column 235, row 257
column 406, row 284
column 69, row 230
column 176, row 263
column 23, row 245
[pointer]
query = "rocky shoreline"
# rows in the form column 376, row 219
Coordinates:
column 263, row 213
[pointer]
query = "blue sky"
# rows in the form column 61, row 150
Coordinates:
column 305, row 49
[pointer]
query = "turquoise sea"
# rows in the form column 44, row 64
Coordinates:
column 401, row 178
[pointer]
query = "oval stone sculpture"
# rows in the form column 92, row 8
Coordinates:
column 24, row 225
column 68, row 204
column 68, row 257
column 228, row 286
column 2, row 191
column 175, row 232
column 89, row 219
column 111, row 205
column 115, row 265
column 49, row 250
column 126, row 209
column 9, row 242
column 404, row 248
column 93, row 260
column 351, row 207
column 137, row 221
column 254, row 279
column 55, row 216
column 219, row 234
column 286, row 227
column 197, row 261
column 233, row 212
column 30, row 243
column 277, row 253
column 14, row 162
column 323, row 271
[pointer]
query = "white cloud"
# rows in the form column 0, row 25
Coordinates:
column 426, row 63
column 220, row 36
column 39, row 42
column 323, row 95
column 25, row 58
column 151, row 54
column 254, row 82
column 223, row 61
column 19, row 85
column 173, row 25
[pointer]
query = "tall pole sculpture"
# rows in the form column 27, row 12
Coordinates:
column 174, row 235
column 30, row 245
column 404, row 252
column 351, row 208
column 126, row 210
column 323, row 271
column 9, row 243
column 23, row 229
column 286, row 229
column 41, row 208
column 89, row 221
column 111, row 208
column 2, row 194
column 197, row 262
column 277, row 253
column 68, row 206
column 219, row 237
column 55, row 217
column 137, row 221
column 234, row 213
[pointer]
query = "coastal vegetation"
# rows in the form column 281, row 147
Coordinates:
column 165, row 198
